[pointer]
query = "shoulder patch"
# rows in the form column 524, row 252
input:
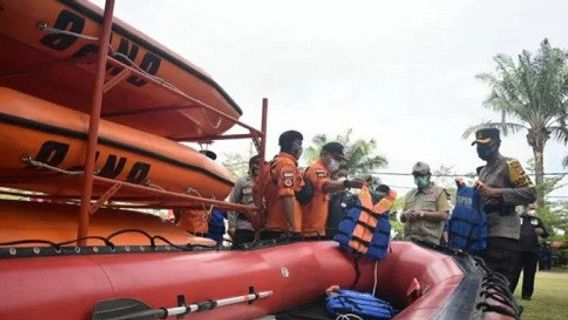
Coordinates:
column 517, row 174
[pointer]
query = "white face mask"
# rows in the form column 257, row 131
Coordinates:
column 333, row 165
column 532, row 212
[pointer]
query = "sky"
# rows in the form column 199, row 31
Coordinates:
column 400, row 72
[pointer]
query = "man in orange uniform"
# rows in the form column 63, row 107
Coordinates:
column 282, row 180
column 314, row 214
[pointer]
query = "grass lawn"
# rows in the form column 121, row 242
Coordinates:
column 550, row 298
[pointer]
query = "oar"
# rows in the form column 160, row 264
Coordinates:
column 127, row 309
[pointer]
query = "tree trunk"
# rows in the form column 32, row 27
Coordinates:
column 539, row 174
column 537, row 140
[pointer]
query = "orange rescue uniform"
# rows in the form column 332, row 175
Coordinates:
column 282, row 179
column 314, row 214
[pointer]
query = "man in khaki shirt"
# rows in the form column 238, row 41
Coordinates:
column 425, row 208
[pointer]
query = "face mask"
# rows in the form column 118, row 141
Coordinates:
column 484, row 151
column 422, row 182
column 333, row 165
column 532, row 212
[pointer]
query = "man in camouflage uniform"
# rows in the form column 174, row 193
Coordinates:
column 503, row 185
column 425, row 208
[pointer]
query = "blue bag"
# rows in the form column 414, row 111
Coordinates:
column 467, row 226
column 361, row 304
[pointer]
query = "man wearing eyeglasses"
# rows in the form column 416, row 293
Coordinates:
column 425, row 209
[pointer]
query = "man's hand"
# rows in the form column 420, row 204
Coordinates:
column 409, row 216
column 539, row 231
column 488, row 192
column 460, row 182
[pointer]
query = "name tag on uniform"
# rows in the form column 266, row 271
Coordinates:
column 288, row 174
column 534, row 222
column 320, row 173
column 247, row 190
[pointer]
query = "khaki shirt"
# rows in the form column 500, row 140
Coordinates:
column 241, row 193
column 502, row 220
column 431, row 198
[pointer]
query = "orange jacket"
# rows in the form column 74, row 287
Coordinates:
column 282, row 179
column 314, row 214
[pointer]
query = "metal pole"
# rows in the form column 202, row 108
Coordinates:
column 262, row 155
column 94, row 122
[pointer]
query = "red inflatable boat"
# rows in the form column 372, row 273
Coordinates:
column 111, row 278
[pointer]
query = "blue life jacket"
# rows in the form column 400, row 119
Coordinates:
column 467, row 226
column 361, row 304
column 216, row 225
column 364, row 232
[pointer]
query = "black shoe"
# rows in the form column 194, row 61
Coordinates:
column 526, row 298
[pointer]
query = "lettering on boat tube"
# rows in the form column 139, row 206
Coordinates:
column 126, row 52
column 53, row 153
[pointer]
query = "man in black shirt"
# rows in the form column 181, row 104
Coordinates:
column 531, row 228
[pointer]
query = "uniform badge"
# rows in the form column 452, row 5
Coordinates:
column 288, row 182
column 534, row 222
column 517, row 174
column 321, row 173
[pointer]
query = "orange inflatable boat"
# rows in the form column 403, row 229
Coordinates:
column 37, row 130
column 57, row 223
column 43, row 56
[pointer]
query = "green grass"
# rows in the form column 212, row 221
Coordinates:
column 550, row 298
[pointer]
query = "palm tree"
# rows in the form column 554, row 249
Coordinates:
column 359, row 153
column 533, row 91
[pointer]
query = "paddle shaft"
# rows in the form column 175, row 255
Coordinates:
column 195, row 307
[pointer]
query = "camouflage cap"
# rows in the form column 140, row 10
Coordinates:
column 421, row 168
column 485, row 136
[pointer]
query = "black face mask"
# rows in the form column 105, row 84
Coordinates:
column 485, row 151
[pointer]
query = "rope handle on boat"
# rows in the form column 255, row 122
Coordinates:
column 495, row 286
column 126, row 309
column 108, row 241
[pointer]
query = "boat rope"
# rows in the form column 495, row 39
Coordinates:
column 214, row 126
column 496, row 287
column 375, row 277
column 59, row 246
column 47, row 29
column 51, row 30
column 348, row 316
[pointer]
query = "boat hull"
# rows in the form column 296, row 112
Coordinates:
column 424, row 283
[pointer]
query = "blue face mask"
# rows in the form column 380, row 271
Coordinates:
column 422, row 181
